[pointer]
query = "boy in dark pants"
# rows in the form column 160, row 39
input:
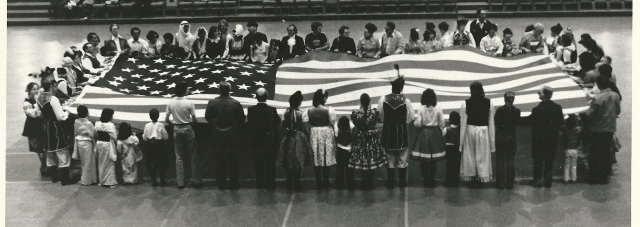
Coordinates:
column 452, row 139
column 155, row 137
column 506, row 119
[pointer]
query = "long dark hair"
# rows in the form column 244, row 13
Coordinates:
column 365, row 100
column 107, row 115
column 476, row 90
column 124, row 132
column 318, row 98
column 429, row 98
column 294, row 103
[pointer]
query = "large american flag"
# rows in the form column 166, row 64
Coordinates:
column 133, row 86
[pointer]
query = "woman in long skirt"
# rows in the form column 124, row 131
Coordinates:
column 128, row 149
column 366, row 152
column 295, row 150
column 33, row 127
column 321, row 119
column 84, row 149
column 429, row 146
column 106, row 149
column 477, row 137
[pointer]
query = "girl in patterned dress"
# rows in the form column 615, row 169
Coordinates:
column 462, row 37
column 84, row 148
column 430, row 43
column 413, row 46
column 295, row 150
column 32, row 126
column 366, row 151
column 429, row 146
column 128, row 149
column 321, row 119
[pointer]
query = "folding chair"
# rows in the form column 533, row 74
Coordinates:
column 453, row 3
column 269, row 4
column 201, row 5
column 553, row 3
column 289, row 3
column 159, row 4
column 230, row 4
column 346, row 3
column 506, row 3
column 411, row 3
column 581, row 2
column 316, row 4
column 126, row 5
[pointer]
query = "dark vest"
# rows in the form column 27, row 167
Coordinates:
column 94, row 62
column 452, row 136
column 478, row 111
column 395, row 109
column 319, row 117
column 215, row 49
column 477, row 32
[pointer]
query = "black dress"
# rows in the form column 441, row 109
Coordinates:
column 33, row 130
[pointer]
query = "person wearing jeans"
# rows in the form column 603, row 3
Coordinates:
column 184, row 116
column 602, row 115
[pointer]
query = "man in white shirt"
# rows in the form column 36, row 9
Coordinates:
column 90, row 62
column 492, row 44
column 121, row 43
column 392, row 41
column 137, row 44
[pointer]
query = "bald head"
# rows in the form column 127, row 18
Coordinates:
column 262, row 95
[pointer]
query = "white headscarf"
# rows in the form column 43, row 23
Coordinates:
column 238, row 31
column 184, row 39
column 202, row 46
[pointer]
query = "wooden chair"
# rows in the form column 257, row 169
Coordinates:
column 506, row 3
column 411, row 3
column 581, row 2
column 201, row 5
column 230, row 4
column 316, row 4
column 271, row 4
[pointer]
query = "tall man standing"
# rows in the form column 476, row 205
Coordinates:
column 396, row 111
column 506, row 119
column 263, row 124
column 184, row 118
column 480, row 27
column 226, row 117
column 546, row 119
column 138, row 46
column 121, row 43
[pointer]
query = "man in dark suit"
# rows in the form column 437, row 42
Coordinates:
column 226, row 117
column 547, row 119
column 479, row 28
column 506, row 119
column 263, row 124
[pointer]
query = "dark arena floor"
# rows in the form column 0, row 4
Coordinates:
column 35, row 201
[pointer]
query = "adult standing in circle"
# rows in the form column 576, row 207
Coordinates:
column 223, row 26
column 263, row 121
column 121, row 44
column 225, row 116
column 295, row 150
column 477, row 137
column 316, row 40
column 291, row 45
column 396, row 111
column 366, row 151
column 321, row 118
column 480, row 27
column 54, row 138
column 429, row 146
column 368, row 47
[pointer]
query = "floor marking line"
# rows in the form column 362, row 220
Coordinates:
column 286, row 215
column 172, row 210
column 406, row 204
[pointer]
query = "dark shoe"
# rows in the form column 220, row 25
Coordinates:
column 53, row 172
column 44, row 172
column 222, row 187
column 509, row 187
column 163, row 183
column 403, row 177
column 181, row 187
column 391, row 178
column 154, row 183
column 64, row 176
column 234, row 186
column 260, row 186
column 431, row 183
column 479, row 185
column 197, row 186
column 500, row 186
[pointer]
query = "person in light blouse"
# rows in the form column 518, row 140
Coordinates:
column 368, row 47
column 492, row 44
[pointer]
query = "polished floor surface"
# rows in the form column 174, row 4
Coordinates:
column 33, row 201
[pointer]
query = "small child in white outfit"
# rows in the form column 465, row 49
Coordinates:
column 572, row 142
